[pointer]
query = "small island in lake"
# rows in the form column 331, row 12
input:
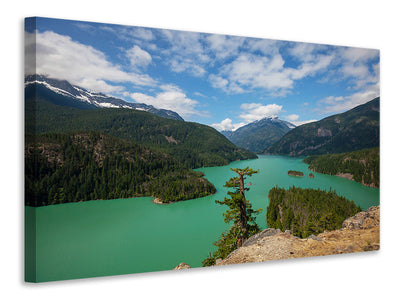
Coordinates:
column 311, row 175
column 295, row 173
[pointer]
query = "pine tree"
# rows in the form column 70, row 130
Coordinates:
column 240, row 212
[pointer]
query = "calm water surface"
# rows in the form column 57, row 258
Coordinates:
column 98, row 238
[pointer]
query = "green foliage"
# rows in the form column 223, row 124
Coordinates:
column 62, row 168
column 209, row 261
column 362, row 164
column 193, row 145
column 240, row 214
column 353, row 130
column 295, row 173
column 257, row 136
column 307, row 211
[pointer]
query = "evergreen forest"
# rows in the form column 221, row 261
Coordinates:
column 74, row 154
column 193, row 145
column 362, row 164
column 307, row 211
column 62, row 168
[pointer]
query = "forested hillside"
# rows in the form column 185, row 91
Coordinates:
column 192, row 144
column 307, row 211
column 352, row 130
column 258, row 135
column 62, row 168
column 362, row 166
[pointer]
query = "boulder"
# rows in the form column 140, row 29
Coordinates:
column 182, row 266
column 363, row 220
column 266, row 232
column 315, row 238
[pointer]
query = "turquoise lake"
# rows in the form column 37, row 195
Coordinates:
column 123, row 236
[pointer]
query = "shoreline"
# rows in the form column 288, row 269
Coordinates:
column 158, row 201
column 348, row 176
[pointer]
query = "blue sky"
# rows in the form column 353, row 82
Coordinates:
column 218, row 80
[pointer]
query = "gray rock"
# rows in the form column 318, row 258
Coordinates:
column 182, row 266
column 266, row 232
column 313, row 237
column 363, row 220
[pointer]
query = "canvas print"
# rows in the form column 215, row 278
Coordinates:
column 150, row 149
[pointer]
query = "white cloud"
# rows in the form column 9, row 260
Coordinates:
column 249, row 71
column 227, row 125
column 257, row 72
column 143, row 33
column 266, row 47
column 169, row 87
column 339, row 104
column 200, row 94
column 306, row 52
column 364, row 78
column 354, row 55
column 218, row 81
column 257, row 111
column 60, row 57
column 129, row 33
column 181, row 64
column 185, row 52
column 138, row 57
column 223, row 46
column 320, row 62
column 172, row 99
column 294, row 119
column 354, row 65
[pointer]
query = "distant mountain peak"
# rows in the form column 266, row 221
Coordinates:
column 258, row 135
column 76, row 96
column 273, row 119
column 355, row 129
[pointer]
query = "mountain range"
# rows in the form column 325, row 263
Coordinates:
column 57, row 112
column 193, row 145
column 352, row 130
column 86, row 145
column 61, row 92
column 260, row 134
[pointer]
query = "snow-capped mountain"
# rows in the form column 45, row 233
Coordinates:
column 260, row 134
column 61, row 92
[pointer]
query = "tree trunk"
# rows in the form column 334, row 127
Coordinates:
column 243, row 213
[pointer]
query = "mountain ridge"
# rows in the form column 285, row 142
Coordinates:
column 260, row 134
column 64, row 93
column 355, row 129
column 192, row 144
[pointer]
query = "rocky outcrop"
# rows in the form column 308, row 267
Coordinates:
column 358, row 233
column 363, row 220
column 266, row 232
column 182, row 266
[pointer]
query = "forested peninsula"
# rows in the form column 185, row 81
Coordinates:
column 307, row 211
column 361, row 166
column 74, row 155
column 63, row 168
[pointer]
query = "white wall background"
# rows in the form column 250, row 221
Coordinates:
column 370, row 24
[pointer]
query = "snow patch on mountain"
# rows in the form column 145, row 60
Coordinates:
column 95, row 99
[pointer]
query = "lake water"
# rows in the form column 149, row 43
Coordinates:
column 122, row 236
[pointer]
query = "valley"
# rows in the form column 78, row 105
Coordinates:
column 137, row 159
column 148, row 149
